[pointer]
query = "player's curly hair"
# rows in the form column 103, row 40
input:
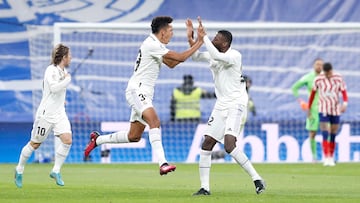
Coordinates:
column 59, row 52
column 160, row 22
column 227, row 35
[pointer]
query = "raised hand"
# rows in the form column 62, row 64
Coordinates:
column 189, row 29
column 201, row 30
column 200, row 22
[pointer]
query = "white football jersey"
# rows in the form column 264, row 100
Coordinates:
column 147, row 65
column 52, row 105
column 230, row 87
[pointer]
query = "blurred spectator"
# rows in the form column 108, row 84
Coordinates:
column 185, row 101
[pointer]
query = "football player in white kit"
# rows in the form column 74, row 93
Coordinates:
column 140, row 90
column 230, row 111
column 51, row 115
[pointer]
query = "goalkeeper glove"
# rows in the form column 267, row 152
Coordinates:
column 304, row 105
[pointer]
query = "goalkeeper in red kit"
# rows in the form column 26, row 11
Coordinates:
column 329, row 84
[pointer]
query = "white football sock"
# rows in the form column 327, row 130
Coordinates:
column 60, row 155
column 245, row 163
column 118, row 137
column 204, row 169
column 26, row 152
column 156, row 145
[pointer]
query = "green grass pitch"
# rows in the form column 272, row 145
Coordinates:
column 142, row 183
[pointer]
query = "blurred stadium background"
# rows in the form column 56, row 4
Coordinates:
column 273, row 58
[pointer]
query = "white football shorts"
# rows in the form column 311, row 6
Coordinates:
column 138, row 101
column 42, row 128
column 226, row 122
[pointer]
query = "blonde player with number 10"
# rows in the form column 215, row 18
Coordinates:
column 51, row 115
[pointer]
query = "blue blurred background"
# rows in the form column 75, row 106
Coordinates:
column 16, row 104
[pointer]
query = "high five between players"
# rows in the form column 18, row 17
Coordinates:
column 140, row 90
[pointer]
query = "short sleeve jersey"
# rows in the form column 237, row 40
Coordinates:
column 329, row 89
column 147, row 65
column 52, row 105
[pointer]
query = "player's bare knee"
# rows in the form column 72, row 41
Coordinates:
column 324, row 126
column 155, row 123
column 229, row 143
column 334, row 129
column 134, row 137
column 208, row 143
column 69, row 142
column 229, row 147
column 66, row 138
column 312, row 134
column 151, row 118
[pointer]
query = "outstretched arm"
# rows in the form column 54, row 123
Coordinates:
column 173, row 58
